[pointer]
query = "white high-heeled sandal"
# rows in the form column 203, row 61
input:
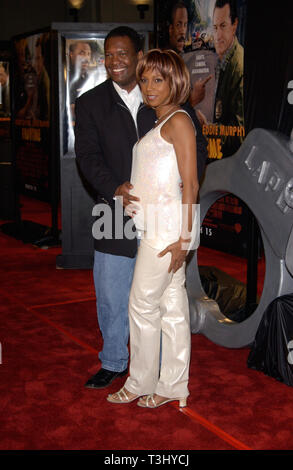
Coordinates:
column 122, row 397
column 150, row 402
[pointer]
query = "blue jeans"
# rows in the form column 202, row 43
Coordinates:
column 113, row 277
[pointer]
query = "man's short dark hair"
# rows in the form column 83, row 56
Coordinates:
column 130, row 33
column 176, row 7
column 233, row 8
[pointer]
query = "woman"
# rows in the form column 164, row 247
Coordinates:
column 164, row 177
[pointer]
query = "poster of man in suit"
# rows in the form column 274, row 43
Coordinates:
column 209, row 35
column 214, row 54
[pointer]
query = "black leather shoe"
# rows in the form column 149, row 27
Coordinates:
column 103, row 378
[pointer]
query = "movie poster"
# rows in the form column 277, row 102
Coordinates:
column 216, row 58
column 32, row 112
column 84, row 70
column 5, row 106
column 214, row 55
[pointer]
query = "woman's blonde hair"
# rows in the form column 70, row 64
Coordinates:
column 172, row 68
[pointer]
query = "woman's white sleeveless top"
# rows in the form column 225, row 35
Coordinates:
column 156, row 181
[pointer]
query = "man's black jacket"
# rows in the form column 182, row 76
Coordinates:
column 105, row 134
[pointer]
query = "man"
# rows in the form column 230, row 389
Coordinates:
column 177, row 37
column 228, row 109
column 110, row 118
column 178, row 27
column 80, row 55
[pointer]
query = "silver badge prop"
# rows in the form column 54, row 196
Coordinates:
column 260, row 173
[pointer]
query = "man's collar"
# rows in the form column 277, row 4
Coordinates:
column 122, row 91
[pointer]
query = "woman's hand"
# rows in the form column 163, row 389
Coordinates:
column 178, row 252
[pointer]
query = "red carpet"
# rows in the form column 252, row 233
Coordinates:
column 49, row 344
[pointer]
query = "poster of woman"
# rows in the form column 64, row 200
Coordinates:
column 31, row 91
column 4, row 90
column 5, row 105
column 32, row 87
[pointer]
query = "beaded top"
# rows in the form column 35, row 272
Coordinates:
column 156, row 181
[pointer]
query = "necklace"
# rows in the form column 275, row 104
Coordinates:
column 164, row 115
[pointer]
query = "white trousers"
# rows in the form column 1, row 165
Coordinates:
column 158, row 304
